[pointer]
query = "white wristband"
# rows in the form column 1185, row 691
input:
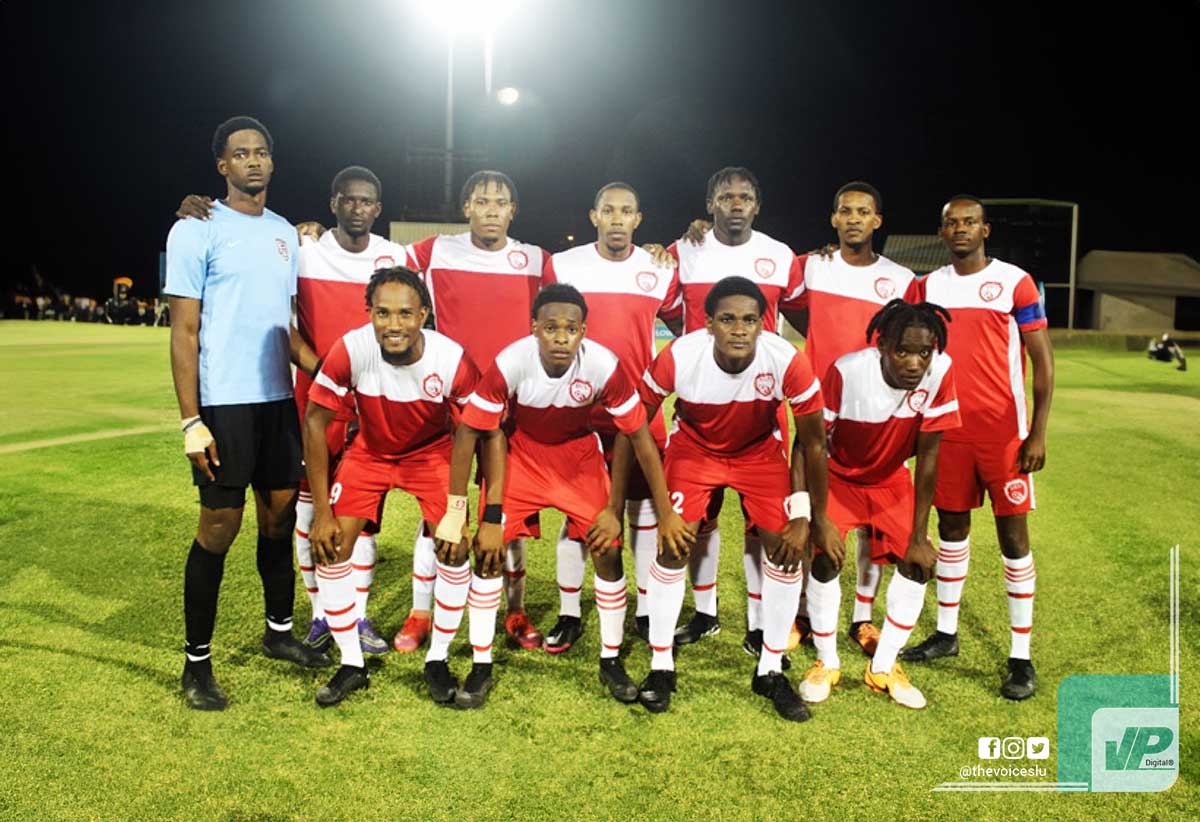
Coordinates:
column 187, row 423
column 798, row 506
column 450, row 528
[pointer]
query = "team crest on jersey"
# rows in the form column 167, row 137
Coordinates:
column 580, row 390
column 990, row 291
column 1016, row 491
column 764, row 384
column 282, row 248
column 646, row 280
column 386, row 261
column 885, row 288
column 518, row 259
column 764, row 267
column 432, row 386
column 916, row 399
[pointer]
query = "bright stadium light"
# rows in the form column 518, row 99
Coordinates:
column 508, row 95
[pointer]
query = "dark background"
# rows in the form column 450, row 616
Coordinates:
column 111, row 108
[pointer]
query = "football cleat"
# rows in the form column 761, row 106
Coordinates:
column 866, row 635
column 282, row 645
column 346, row 681
column 818, row 682
column 801, row 633
column 936, row 646
column 413, row 633
column 200, row 689
column 612, row 675
column 698, row 627
column 1021, row 682
column 442, row 684
column 476, row 687
column 896, row 685
column 369, row 640
column 655, row 691
column 521, row 631
column 775, row 687
column 319, row 638
column 563, row 635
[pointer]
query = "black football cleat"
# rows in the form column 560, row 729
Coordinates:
column 936, row 646
column 442, row 684
column 775, row 687
column 612, row 675
column 752, row 644
column 698, row 627
column 1021, row 682
column 475, row 689
column 655, row 691
column 200, row 689
column 563, row 635
column 346, row 681
column 282, row 645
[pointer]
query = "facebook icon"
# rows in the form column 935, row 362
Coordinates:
column 989, row 747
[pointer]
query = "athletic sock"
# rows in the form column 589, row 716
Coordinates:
column 514, row 575
column 664, row 592
column 362, row 560
column 483, row 601
column 453, row 584
column 824, row 600
column 702, row 567
column 611, row 602
column 424, row 570
column 278, row 580
column 1020, row 579
column 904, row 600
column 780, row 598
column 308, row 569
column 201, row 584
column 643, row 541
column 752, row 564
column 869, row 576
column 571, row 564
column 953, row 558
column 336, row 585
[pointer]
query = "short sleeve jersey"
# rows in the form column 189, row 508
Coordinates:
column 763, row 260
column 624, row 298
column 331, row 295
column 481, row 298
column 989, row 309
column 724, row 413
column 554, row 410
column 402, row 409
column 843, row 298
column 242, row 269
column 872, row 426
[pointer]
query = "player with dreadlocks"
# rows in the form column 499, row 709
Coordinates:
column 882, row 405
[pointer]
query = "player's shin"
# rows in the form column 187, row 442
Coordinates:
column 780, row 598
column 905, row 598
column 570, row 567
column 664, row 591
column 643, row 541
column 611, row 601
column 1020, row 580
column 824, row 602
column 424, row 570
column 953, row 558
column 483, row 602
column 752, row 564
column 362, row 560
column 869, row 576
column 514, row 575
column 336, row 585
column 201, row 584
column 702, row 566
column 308, row 570
column 453, row 586
column 274, row 559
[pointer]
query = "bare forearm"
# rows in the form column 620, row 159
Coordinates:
column 461, row 455
column 303, row 357
column 652, row 468
column 495, row 455
column 316, row 454
column 1043, row 390
column 619, row 471
column 185, row 370
column 924, row 481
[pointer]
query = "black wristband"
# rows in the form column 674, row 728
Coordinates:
column 492, row 514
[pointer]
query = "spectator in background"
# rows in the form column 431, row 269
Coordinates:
column 1167, row 350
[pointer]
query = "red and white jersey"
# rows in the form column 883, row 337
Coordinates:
column 549, row 409
column 481, row 298
column 765, row 261
column 331, row 290
column 990, row 309
column 402, row 408
column 727, row 413
column 624, row 298
column 842, row 299
column 873, row 427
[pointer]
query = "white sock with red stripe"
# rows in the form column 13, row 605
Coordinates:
column 611, row 599
column 824, row 601
column 424, row 570
column 1020, row 579
column 869, row 576
column 453, row 584
column 484, row 601
column 308, row 569
column 571, row 564
column 953, row 558
column 336, row 585
column 664, row 592
column 514, row 575
column 780, row 598
column 362, row 560
column 643, row 541
column 904, row 600
column 752, row 564
column 702, row 567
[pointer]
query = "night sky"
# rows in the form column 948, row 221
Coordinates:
column 111, row 108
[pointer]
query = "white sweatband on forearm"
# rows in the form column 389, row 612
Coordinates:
column 450, row 528
column 798, row 506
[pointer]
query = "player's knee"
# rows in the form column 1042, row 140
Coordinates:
column 608, row 566
column 668, row 560
column 912, row 571
column 707, row 526
column 218, row 529
column 954, row 526
column 1013, row 534
column 823, row 569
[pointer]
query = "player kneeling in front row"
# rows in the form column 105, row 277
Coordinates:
column 881, row 404
column 407, row 382
column 730, row 379
column 551, row 383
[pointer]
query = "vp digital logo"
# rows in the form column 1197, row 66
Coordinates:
column 1135, row 749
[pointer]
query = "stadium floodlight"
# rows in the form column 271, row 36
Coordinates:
column 508, row 96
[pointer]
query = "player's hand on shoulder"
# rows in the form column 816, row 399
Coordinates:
column 195, row 205
column 825, row 252
column 662, row 257
column 326, row 536
column 604, row 533
column 675, row 535
column 826, row 535
column 489, row 548
column 696, row 231
column 309, row 228
column 1032, row 455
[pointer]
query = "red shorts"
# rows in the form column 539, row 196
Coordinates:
column 966, row 469
column 885, row 510
column 760, row 475
column 335, row 440
column 363, row 480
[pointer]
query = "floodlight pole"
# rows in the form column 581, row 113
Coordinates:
column 448, row 178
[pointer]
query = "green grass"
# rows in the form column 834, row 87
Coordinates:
column 92, row 540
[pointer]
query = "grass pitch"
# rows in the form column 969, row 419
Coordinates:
column 97, row 512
